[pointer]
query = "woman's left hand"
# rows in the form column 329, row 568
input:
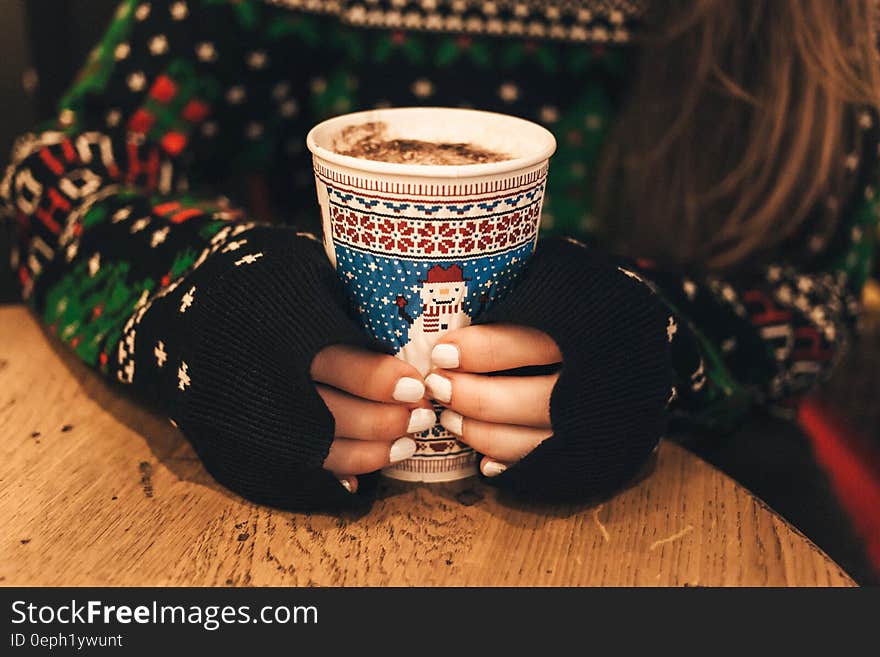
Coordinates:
column 502, row 417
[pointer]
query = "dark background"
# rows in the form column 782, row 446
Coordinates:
column 42, row 44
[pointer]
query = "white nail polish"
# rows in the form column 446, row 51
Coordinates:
column 493, row 468
column 445, row 356
column 402, row 449
column 346, row 484
column 408, row 389
column 440, row 388
column 452, row 421
column 420, row 420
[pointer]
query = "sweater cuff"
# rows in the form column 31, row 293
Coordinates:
column 608, row 407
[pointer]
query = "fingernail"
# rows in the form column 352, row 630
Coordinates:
column 445, row 356
column 346, row 484
column 452, row 421
column 440, row 388
column 420, row 420
column 493, row 468
column 402, row 449
column 408, row 389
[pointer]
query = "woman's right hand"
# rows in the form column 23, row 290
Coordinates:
column 376, row 400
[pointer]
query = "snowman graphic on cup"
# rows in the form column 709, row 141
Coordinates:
column 442, row 309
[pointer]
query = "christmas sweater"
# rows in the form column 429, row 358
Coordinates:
column 131, row 251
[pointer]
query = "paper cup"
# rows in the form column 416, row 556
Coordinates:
column 424, row 249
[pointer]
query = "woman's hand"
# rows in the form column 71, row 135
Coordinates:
column 376, row 400
column 502, row 417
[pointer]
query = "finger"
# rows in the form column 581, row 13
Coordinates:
column 368, row 420
column 369, row 375
column 350, row 483
column 504, row 399
column 491, row 468
column 506, row 443
column 493, row 348
column 354, row 457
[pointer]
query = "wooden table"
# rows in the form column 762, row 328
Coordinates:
column 96, row 491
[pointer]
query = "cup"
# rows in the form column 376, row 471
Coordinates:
column 422, row 249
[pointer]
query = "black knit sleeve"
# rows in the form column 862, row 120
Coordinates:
column 226, row 352
column 608, row 407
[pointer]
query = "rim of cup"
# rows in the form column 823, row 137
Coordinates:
column 544, row 145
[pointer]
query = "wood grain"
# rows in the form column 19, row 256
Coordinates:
column 97, row 491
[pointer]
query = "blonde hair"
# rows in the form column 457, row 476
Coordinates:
column 737, row 128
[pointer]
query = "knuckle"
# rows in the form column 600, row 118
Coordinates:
column 339, row 456
column 550, row 350
column 363, row 378
column 492, row 348
column 368, row 458
column 482, row 400
column 321, row 361
column 388, row 422
column 330, row 460
column 386, row 371
column 490, row 439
